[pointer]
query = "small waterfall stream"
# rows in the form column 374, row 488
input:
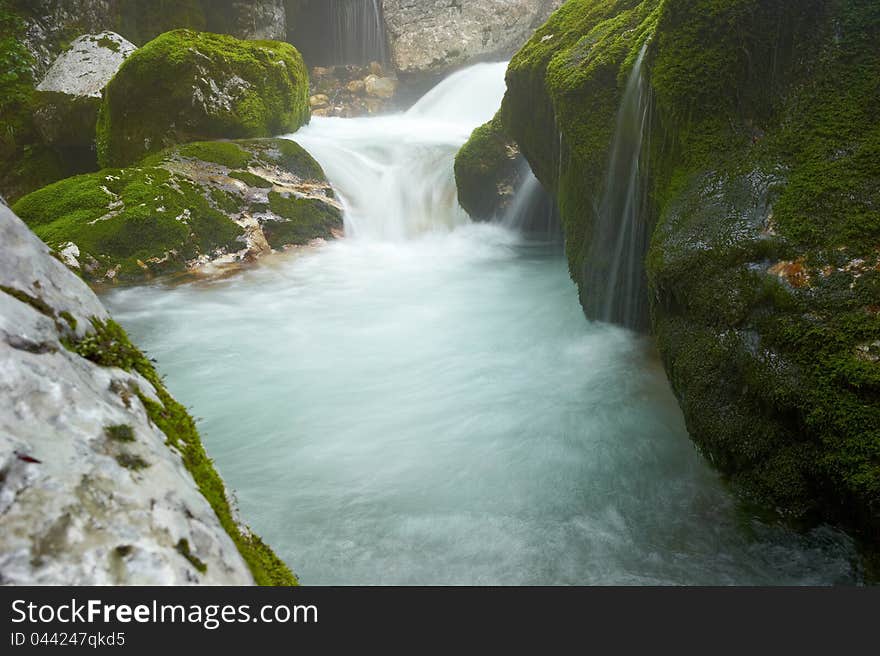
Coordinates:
column 615, row 288
column 533, row 211
column 423, row 402
column 338, row 32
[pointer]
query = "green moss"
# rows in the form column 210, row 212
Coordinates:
column 226, row 201
column 29, row 158
column 108, row 345
column 132, row 462
column 251, row 179
column 69, row 318
column 763, row 266
column 184, row 550
column 178, row 204
column 119, row 433
column 225, row 153
column 150, row 105
column 35, row 302
column 107, row 42
column 484, row 164
column 16, row 91
column 564, row 88
column 306, row 219
column 146, row 221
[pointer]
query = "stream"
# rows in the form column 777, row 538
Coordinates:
column 423, row 402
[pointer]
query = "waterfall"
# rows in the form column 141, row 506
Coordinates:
column 358, row 35
column 532, row 211
column 615, row 287
column 340, row 32
column 394, row 173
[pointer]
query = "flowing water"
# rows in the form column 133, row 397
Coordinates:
column 334, row 32
column 614, row 281
column 424, row 402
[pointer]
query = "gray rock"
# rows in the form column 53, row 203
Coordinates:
column 432, row 38
column 78, row 506
column 260, row 19
column 86, row 68
column 69, row 96
column 48, row 20
column 380, row 87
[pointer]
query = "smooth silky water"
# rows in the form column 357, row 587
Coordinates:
column 423, row 402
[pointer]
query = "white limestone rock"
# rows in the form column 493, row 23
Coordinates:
column 89, row 64
column 71, row 511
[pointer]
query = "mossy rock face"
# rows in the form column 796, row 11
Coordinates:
column 764, row 264
column 488, row 169
column 65, row 120
column 189, row 86
column 190, row 205
column 564, row 88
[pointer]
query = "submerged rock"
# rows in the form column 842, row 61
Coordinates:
column 380, row 87
column 764, row 266
column 219, row 203
column 353, row 90
column 103, row 480
column 190, row 86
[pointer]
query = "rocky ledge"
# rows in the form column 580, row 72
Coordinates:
column 194, row 207
column 103, row 479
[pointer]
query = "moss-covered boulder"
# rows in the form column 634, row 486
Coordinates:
column 219, row 203
column 188, row 86
column 488, row 170
column 764, row 263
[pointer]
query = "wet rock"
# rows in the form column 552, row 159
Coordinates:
column 319, row 101
column 356, row 87
column 190, row 86
column 200, row 207
column 380, row 87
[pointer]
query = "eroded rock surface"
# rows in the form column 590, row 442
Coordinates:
column 432, row 38
column 90, row 493
column 205, row 203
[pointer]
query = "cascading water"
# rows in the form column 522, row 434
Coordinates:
column 532, row 211
column 423, row 401
column 615, row 287
column 338, row 32
column 392, row 172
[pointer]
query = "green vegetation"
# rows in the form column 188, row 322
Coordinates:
column 183, row 550
column 564, row 88
column 251, row 179
column 132, row 462
column 119, row 433
column 179, row 204
column 188, row 86
column 224, row 153
column 484, row 164
column 764, row 266
column 136, row 222
column 107, row 42
column 107, row 345
column 306, row 219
